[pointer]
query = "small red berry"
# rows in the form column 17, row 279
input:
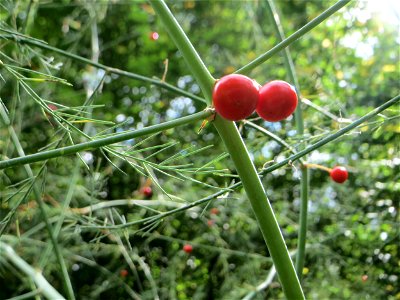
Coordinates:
column 278, row 100
column 147, row 191
column 235, row 97
column 52, row 107
column 154, row 36
column 364, row 278
column 210, row 223
column 123, row 273
column 214, row 211
column 339, row 174
column 187, row 248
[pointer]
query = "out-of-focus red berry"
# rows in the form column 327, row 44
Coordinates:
column 123, row 273
column 214, row 211
column 147, row 191
column 210, row 223
column 187, row 248
column 52, row 107
column 154, row 36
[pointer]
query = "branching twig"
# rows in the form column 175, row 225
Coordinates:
column 46, row 289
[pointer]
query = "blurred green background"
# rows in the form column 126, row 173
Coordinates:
column 347, row 66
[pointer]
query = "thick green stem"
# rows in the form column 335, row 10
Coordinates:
column 240, row 156
column 103, row 142
column 261, row 207
column 299, row 33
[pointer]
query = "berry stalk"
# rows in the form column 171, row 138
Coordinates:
column 316, row 166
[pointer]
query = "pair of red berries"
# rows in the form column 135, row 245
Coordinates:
column 235, row 97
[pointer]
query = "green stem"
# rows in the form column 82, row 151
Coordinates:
column 196, row 65
column 240, row 156
column 271, row 135
column 239, row 184
column 46, row 289
column 104, row 141
column 299, row 33
column 304, row 186
column 157, row 82
column 332, row 137
column 39, row 200
column 302, row 235
column 261, row 207
column 28, row 295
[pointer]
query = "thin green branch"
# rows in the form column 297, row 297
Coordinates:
column 46, row 289
column 271, row 135
column 196, row 65
column 104, row 141
column 123, row 202
column 158, row 236
column 158, row 82
column 28, row 295
column 324, row 111
column 239, row 184
column 299, row 33
column 38, row 197
column 332, row 137
column 302, row 234
column 263, row 285
column 304, row 186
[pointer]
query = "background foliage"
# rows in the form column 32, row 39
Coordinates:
column 347, row 66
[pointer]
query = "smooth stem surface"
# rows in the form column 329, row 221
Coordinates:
column 316, row 166
column 302, row 234
column 261, row 207
column 304, row 182
column 238, row 152
column 299, row 33
column 104, row 141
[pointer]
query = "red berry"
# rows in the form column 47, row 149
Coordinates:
column 339, row 174
column 154, row 36
column 52, row 107
column 235, row 97
column 278, row 100
column 210, row 223
column 187, row 248
column 214, row 211
column 147, row 191
column 364, row 278
column 123, row 273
